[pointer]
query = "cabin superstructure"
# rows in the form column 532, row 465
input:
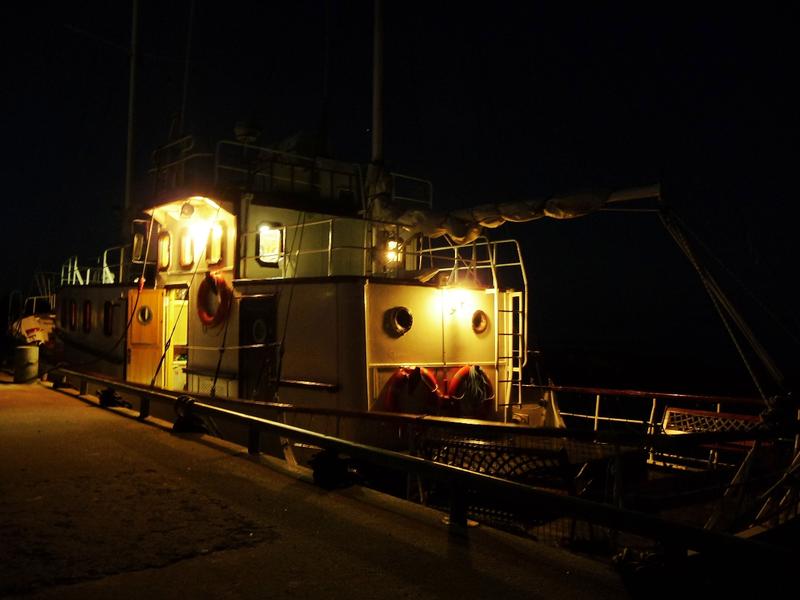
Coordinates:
column 259, row 274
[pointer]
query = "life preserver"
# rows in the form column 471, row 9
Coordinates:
column 470, row 393
column 411, row 390
column 213, row 285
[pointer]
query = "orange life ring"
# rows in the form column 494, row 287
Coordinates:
column 213, row 285
column 411, row 390
column 471, row 393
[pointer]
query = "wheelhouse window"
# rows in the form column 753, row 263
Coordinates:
column 186, row 249
column 269, row 244
column 137, row 250
column 87, row 316
column 216, row 241
column 164, row 250
column 108, row 318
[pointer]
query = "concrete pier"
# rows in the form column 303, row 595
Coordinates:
column 97, row 505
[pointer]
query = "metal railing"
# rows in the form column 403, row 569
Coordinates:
column 461, row 482
column 656, row 401
column 108, row 268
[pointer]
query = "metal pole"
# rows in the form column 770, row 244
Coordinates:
column 182, row 124
column 131, row 94
column 377, row 84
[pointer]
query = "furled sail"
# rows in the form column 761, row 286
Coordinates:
column 464, row 225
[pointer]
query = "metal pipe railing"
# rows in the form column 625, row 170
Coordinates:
column 465, row 427
column 676, row 536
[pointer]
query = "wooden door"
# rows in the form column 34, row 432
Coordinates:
column 145, row 336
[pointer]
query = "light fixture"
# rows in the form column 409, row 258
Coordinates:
column 187, row 210
column 393, row 252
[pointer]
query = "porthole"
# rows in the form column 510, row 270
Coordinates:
column 145, row 315
column 397, row 321
column 480, row 322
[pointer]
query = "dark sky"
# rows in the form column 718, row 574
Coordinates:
column 491, row 101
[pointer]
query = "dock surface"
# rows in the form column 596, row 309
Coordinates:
column 95, row 504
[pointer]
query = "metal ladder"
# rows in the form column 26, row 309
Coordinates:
column 510, row 349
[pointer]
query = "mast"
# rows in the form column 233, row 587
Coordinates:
column 377, row 85
column 131, row 95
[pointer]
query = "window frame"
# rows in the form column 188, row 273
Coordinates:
column 281, row 240
column 185, row 241
column 222, row 239
column 164, row 235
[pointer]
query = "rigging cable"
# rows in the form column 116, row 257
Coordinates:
column 723, row 306
column 282, row 347
column 735, row 278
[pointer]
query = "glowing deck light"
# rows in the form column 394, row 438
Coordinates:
column 392, row 251
column 453, row 301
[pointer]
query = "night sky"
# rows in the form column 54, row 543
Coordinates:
column 491, row 101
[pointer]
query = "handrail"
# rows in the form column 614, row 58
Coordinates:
column 672, row 534
column 739, row 400
column 464, row 426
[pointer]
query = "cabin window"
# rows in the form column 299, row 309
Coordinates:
column 87, row 316
column 64, row 306
column 216, row 240
column 164, row 250
column 108, row 318
column 73, row 315
column 186, row 250
column 269, row 244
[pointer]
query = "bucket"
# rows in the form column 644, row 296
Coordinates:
column 26, row 363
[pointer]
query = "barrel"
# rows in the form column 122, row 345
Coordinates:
column 26, row 363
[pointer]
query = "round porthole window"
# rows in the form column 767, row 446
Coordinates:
column 480, row 321
column 145, row 315
column 397, row 321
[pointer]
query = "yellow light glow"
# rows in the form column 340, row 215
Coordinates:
column 392, row 254
column 454, row 302
column 208, row 201
column 199, row 231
